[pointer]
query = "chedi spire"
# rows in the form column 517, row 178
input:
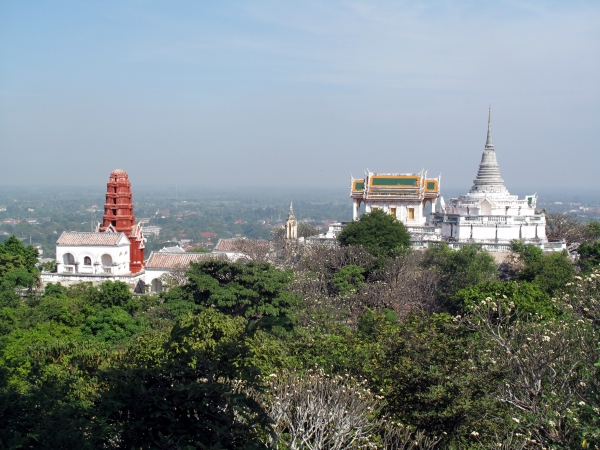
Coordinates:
column 488, row 178
column 118, row 217
column 488, row 142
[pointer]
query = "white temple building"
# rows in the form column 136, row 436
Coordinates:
column 487, row 215
column 92, row 257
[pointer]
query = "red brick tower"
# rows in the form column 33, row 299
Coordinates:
column 118, row 217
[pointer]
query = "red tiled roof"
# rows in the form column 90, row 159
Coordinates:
column 171, row 260
column 226, row 245
column 83, row 238
column 233, row 244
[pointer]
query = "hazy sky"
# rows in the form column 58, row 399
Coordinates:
column 298, row 93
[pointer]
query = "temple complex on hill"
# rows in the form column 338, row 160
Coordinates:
column 487, row 215
column 115, row 251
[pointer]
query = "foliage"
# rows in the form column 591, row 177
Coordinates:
column 435, row 378
column 316, row 411
column 348, row 279
column 459, row 269
column 370, row 359
column 198, row 250
column 528, row 298
column 380, row 233
column 113, row 293
column 549, row 271
column 253, row 289
column 568, row 227
column 28, row 255
column 191, row 393
column 589, row 256
column 545, row 365
column 112, row 324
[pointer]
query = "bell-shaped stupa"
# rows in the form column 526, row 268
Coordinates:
column 488, row 178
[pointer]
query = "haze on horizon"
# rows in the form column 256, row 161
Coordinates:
column 264, row 93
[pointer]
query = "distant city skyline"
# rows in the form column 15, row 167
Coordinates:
column 263, row 93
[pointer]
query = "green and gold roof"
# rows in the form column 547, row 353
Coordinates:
column 391, row 185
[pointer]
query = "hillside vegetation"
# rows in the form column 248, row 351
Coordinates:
column 366, row 345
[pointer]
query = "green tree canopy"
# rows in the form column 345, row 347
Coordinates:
column 550, row 271
column 252, row 289
column 528, row 298
column 13, row 246
column 458, row 269
column 589, row 256
column 184, row 393
column 380, row 233
column 436, row 377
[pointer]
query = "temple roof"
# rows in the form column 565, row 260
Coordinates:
column 87, row 238
column 171, row 260
column 488, row 178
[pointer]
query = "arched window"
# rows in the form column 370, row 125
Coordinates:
column 68, row 259
column 87, row 261
column 106, row 260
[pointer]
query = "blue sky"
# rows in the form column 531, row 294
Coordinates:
column 298, row 93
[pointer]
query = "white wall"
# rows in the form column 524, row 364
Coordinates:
column 119, row 255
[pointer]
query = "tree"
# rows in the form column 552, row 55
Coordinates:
column 545, row 364
column 15, row 247
column 252, row 289
column 550, row 271
column 380, row 233
column 437, row 377
column 349, row 279
column 564, row 226
column 112, row 324
column 112, row 293
column 317, row 411
column 257, row 250
column 458, row 269
column 528, row 298
column 307, row 230
column 189, row 392
column 589, row 256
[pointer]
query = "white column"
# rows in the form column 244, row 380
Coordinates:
column 356, row 206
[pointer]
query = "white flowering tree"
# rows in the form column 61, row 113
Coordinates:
column 317, row 411
column 547, row 363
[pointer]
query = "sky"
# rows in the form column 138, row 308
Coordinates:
column 298, row 94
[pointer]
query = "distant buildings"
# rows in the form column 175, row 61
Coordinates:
column 151, row 230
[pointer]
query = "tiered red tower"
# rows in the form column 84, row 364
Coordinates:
column 118, row 217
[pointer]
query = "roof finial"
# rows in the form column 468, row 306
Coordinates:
column 291, row 212
column 488, row 143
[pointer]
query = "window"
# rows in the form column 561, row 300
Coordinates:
column 68, row 259
column 393, row 212
column 106, row 260
column 411, row 213
column 87, row 261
